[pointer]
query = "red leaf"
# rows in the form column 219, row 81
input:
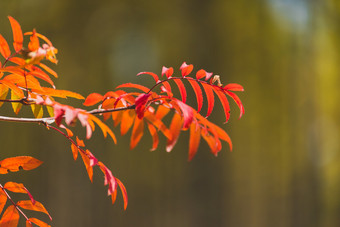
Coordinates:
column 237, row 101
column 3, row 200
column 137, row 86
column 167, row 71
column 210, row 98
column 137, row 132
column 182, row 89
column 154, row 135
column 17, row 34
column 28, row 205
column 225, row 103
column 233, row 87
column 186, row 69
column 13, row 164
column 167, row 88
column 154, row 75
column 194, row 141
column 202, row 73
column 4, row 48
column 187, row 113
column 10, row 218
column 198, row 93
column 93, row 99
column 140, row 103
column 124, row 193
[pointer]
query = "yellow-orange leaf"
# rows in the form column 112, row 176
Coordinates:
column 10, row 218
column 37, row 110
column 105, row 129
column 37, row 206
column 3, row 200
column 124, row 193
column 93, row 99
column 49, row 70
column 17, row 34
column 3, row 93
column 37, row 222
column 15, row 187
column 154, row 134
column 18, row 92
column 13, row 164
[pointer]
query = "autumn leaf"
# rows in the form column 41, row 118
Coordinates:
column 37, row 222
column 3, row 200
column 10, row 218
column 18, row 188
column 37, row 206
column 17, row 34
column 13, row 164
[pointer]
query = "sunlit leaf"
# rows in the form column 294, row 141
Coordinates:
column 74, row 150
column 182, row 89
column 233, row 87
column 17, row 34
column 167, row 71
column 34, row 44
column 224, row 101
column 13, row 164
column 124, row 193
column 4, row 48
column 3, row 93
column 88, row 167
column 186, row 69
column 137, row 86
column 154, row 135
column 198, row 93
column 127, row 121
column 3, row 200
column 37, row 110
column 18, row 188
column 137, row 132
column 10, row 218
column 194, row 140
column 93, row 99
column 38, row 222
column 237, row 101
column 105, row 129
column 175, row 129
column 154, row 75
column 17, row 91
column 210, row 97
column 37, row 206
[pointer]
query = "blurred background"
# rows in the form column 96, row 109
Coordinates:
column 284, row 169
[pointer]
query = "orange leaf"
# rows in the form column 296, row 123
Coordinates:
column 93, row 99
column 210, row 97
column 211, row 141
column 182, row 89
column 49, row 70
column 18, row 188
column 3, row 200
column 225, row 103
column 89, row 168
column 167, row 88
column 10, row 218
column 124, row 193
column 15, row 163
column 175, row 129
column 162, row 111
column 3, row 92
column 37, row 222
column 17, row 34
column 137, row 132
column 167, row 71
column 74, row 149
column 154, row 120
column 198, row 93
column 37, row 206
column 14, row 88
column 154, row 135
column 4, row 48
column 194, row 141
column 33, row 45
column 127, row 121
column 105, row 129
column 233, row 87
column 186, row 69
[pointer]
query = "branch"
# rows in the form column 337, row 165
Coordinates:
column 50, row 120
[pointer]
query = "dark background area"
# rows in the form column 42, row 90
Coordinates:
column 284, row 169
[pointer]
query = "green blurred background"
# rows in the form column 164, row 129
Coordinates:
column 284, row 169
